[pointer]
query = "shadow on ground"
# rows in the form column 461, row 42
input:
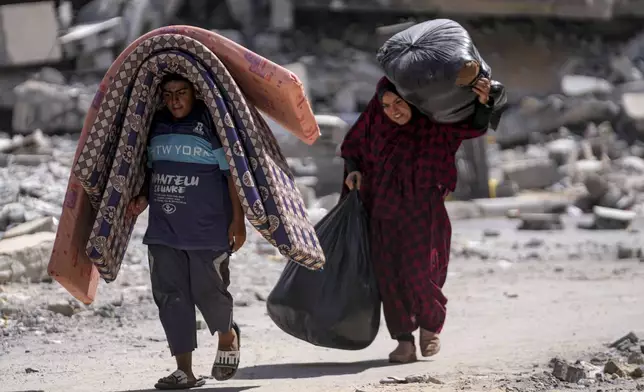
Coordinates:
column 307, row 370
column 205, row 388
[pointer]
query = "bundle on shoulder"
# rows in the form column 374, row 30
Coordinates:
column 434, row 65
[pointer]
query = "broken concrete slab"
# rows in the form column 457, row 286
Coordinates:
column 628, row 252
column 22, row 44
column 64, row 308
column 281, row 18
column 632, row 163
column 614, row 214
column 625, row 342
column 11, row 213
column 633, row 104
column 577, row 85
column 536, row 173
column 528, row 203
column 461, row 210
column 636, row 358
column 47, row 224
column 25, row 257
column 614, row 366
column 609, row 219
column 561, row 150
column 35, row 142
column 540, row 221
column 568, row 372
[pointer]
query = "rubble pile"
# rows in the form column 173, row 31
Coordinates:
column 621, row 363
column 619, row 368
column 48, row 101
column 590, row 126
column 34, row 170
column 602, row 173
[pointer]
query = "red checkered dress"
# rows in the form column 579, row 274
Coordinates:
column 407, row 171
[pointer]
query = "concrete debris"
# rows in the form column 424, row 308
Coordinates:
column 50, row 107
column 46, row 224
column 572, row 373
column 621, row 362
column 536, row 173
column 628, row 252
column 636, row 358
column 626, row 342
column 67, row 309
column 540, row 221
column 25, row 257
column 589, row 123
column 415, row 379
column 609, row 219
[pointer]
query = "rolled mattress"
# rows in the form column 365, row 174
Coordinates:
column 108, row 169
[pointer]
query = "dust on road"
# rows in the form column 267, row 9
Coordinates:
column 517, row 299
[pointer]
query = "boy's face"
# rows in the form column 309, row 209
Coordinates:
column 179, row 97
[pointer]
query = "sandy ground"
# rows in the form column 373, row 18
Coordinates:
column 516, row 300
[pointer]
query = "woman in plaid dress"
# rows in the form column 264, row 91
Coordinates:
column 404, row 166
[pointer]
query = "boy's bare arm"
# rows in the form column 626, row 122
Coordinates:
column 238, row 211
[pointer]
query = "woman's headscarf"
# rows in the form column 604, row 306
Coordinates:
column 385, row 152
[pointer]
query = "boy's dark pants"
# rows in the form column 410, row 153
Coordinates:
column 182, row 279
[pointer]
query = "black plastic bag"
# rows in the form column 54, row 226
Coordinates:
column 423, row 63
column 339, row 306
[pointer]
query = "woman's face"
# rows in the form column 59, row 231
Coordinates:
column 396, row 108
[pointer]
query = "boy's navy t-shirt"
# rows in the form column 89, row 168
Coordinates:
column 190, row 207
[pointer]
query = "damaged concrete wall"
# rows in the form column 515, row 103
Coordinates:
column 574, row 9
column 29, row 34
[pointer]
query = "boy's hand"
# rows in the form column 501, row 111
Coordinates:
column 137, row 206
column 237, row 234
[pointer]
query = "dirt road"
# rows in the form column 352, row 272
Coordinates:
column 516, row 300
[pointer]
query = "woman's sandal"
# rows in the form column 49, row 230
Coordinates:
column 430, row 343
column 178, row 380
column 227, row 360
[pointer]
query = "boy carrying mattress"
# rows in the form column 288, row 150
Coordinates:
column 196, row 221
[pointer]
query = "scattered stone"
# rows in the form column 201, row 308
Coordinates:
column 261, row 296
column 567, row 372
column 12, row 213
column 636, row 358
column 491, row 233
column 106, row 311
column 561, row 150
column 535, row 243
column 393, row 380
column 627, row 252
column 537, row 173
column 599, row 359
column 609, row 219
column 57, row 106
column 416, row 379
column 25, row 257
column 45, row 224
column 423, row 379
column 616, row 368
column 64, row 308
column 625, row 342
column 579, row 85
column 540, row 221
